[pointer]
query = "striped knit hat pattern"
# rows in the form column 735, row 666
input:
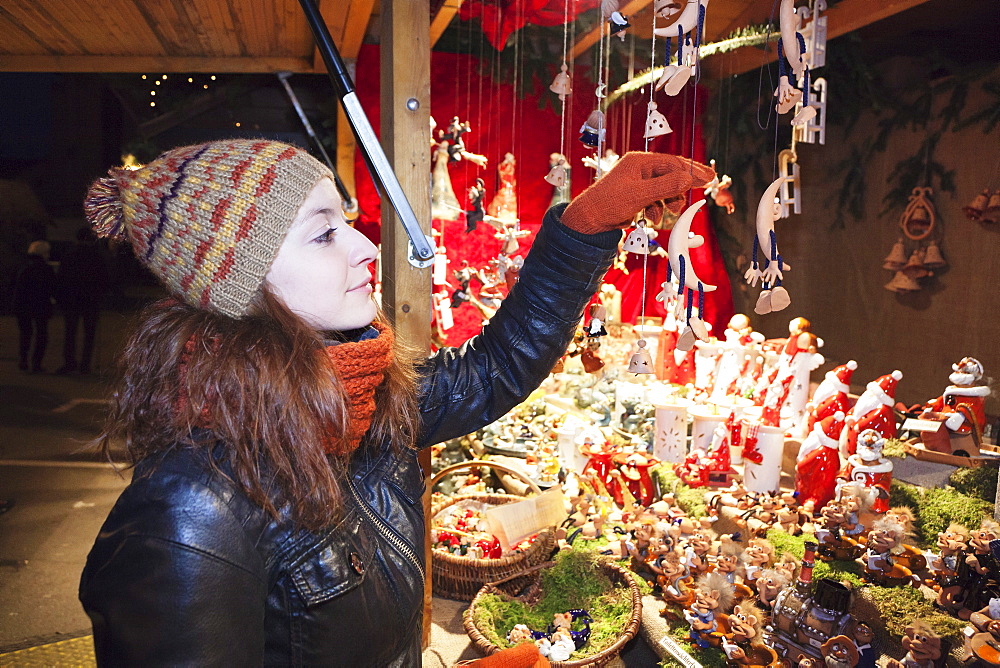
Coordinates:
column 207, row 220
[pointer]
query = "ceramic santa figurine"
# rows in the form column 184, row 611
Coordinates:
column 962, row 407
column 831, row 394
column 873, row 410
column 819, row 462
column 869, row 468
column 798, row 359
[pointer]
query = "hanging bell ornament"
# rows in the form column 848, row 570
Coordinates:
column 915, row 265
column 902, row 283
column 561, row 84
column 637, row 241
column 933, row 258
column 992, row 213
column 656, row 123
column 896, row 258
column 977, row 206
column 556, row 176
column 641, row 361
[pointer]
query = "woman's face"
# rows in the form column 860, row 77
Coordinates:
column 322, row 270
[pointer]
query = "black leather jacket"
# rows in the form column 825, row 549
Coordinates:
column 186, row 570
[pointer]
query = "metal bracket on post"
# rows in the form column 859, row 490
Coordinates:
column 370, row 148
column 416, row 261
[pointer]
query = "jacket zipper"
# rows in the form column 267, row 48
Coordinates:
column 386, row 532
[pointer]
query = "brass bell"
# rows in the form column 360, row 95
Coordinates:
column 896, row 258
column 977, row 206
column 933, row 258
column 915, row 265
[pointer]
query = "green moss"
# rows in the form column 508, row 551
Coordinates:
column 848, row 572
column 690, row 499
column 936, row 508
column 979, row 482
column 574, row 582
column 710, row 657
column 899, row 606
column 894, row 448
column 785, row 542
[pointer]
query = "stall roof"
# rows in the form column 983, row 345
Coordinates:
column 270, row 35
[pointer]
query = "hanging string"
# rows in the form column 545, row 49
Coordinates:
column 600, row 86
column 763, row 66
column 652, row 87
column 562, row 115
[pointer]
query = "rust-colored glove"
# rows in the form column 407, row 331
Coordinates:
column 524, row 655
column 639, row 181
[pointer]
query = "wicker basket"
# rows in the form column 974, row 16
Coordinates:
column 459, row 578
column 531, row 595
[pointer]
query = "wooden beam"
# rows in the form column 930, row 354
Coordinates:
column 591, row 38
column 444, row 16
column 158, row 64
column 358, row 15
column 406, row 291
column 346, row 146
column 334, row 13
column 844, row 17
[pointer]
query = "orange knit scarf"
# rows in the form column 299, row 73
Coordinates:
column 360, row 366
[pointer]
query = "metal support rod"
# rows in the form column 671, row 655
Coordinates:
column 350, row 204
column 367, row 139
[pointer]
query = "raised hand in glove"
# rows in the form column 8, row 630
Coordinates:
column 639, row 181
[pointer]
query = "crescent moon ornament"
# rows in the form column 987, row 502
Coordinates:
column 679, row 245
column 789, row 24
column 773, row 297
column 687, row 19
column 599, row 92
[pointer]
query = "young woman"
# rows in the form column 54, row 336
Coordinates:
column 274, row 513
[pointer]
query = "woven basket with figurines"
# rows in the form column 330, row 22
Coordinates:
column 577, row 585
column 460, row 576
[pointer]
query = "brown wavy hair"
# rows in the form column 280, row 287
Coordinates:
column 262, row 388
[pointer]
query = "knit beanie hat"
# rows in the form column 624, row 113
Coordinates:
column 207, row 219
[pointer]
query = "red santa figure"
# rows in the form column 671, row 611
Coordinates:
column 831, row 394
column 819, row 462
column 873, row 410
column 868, row 467
column 962, row 407
column 777, row 392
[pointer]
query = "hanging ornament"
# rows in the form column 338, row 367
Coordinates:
column 604, row 165
column 813, row 31
column 915, row 267
column 902, row 283
column 617, row 23
column 656, row 123
column 476, row 213
column 977, row 207
column 593, row 130
column 637, row 240
column 918, row 219
column 557, row 170
column 679, row 245
column 561, row 84
column 933, row 258
column 503, row 207
column 641, row 361
column 896, row 258
column 444, row 204
column 598, row 316
column 772, row 297
column 790, row 193
column 811, row 128
column 456, row 143
column 792, row 69
column 718, row 190
column 686, row 23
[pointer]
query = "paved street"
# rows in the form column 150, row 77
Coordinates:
column 60, row 489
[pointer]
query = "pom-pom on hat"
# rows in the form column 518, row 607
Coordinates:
column 844, row 372
column 888, row 382
column 207, row 219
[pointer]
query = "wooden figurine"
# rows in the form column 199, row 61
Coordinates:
column 839, row 652
column 922, row 645
column 679, row 246
column 769, row 269
column 713, row 596
column 885, row 542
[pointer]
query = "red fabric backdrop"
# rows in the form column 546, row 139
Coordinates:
column 530, row 129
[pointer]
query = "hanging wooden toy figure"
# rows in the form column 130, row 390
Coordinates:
column 444, row 204
column 504, row 203
column 773, row 297
column 679, row 246
column 598, row 315
column 686, row 22
column 656, row 123
column 593, row 130
column 618, row 23
column 475, row 215
column 792, row 68
column 718, row 190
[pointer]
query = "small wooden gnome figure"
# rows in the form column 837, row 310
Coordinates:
column 476, row 213
column 598, row 314
column 641, row 361
column 656, row 123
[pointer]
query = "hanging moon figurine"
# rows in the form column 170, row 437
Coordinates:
column 789, row 24
column 687, row 19
column 769, row 211
column 679, row 245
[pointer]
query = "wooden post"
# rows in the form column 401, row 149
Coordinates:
column 405, row 110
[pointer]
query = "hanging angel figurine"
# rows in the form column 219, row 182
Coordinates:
column 475, row 215
column 619, row 24
column 686, row 22
column 444, row 204
column 456, row 148
column 718, row 190
column 504, row 203
column 679, row 245
column 773, row 297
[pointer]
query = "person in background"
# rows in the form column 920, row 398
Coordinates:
column 33, row 288
column 274, row 515
column 81, row 281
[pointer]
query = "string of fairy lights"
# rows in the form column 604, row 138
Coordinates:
column 158, row 82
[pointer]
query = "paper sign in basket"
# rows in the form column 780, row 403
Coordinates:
column 513, row 522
